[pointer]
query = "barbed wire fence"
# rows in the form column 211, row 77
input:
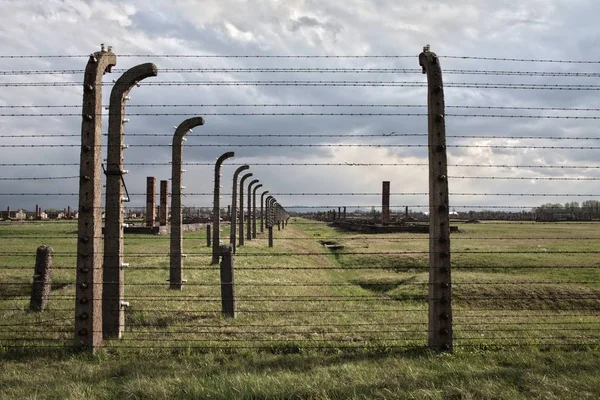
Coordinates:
column 523, row 273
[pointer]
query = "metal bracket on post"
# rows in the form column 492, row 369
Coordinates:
column 241, row 218
column 217, row 207
column 88, row 292
column 234, row 209
column 249, row 218
column 227, row 282
column 176, row 245
column 254, row 210
column 113, row 315
column 440, row 282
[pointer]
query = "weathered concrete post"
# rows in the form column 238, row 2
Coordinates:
column 254, row 210
column 113, row 316
column 208, row 239
column 344, row 212
column 241, row 218
column 440, row 282
column 278, row 216
column 8, row 212
column 249, row 218
column 176, row 245
column 269, row 218
column 37, row 211
column 163, row 214
column 227, row 281
column 217, row 207
column 69, row 212
column 268, row 211
column 385, row 203
column 234, row 210
column 228, row 215
column 150, row 200
column 42, row 279
column 262, row 214
column 406, row 213
column 88, row 292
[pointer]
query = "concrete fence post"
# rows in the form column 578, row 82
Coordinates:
column 254, row 210
column 344, row 212
column 234, row 208
column 268, row 211
column 217, row 207
column 113, row 315
column 227, row 281
column 440, row 282
column 270, row 228
column 163, row 214
column 88, row 292
column 385, row 203
column 249, row 217
column 241, row 218
column 262, row 213
column 208, row 238
column 176, row 244
column 42, row 279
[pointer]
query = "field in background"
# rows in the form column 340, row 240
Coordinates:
column 317, row 323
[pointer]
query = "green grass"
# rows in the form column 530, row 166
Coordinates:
column 314, row 323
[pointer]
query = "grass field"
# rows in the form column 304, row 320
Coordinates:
column 314, row 323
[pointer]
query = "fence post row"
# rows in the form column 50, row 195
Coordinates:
column 254, row 210
column 88, row 292
column 176, row 249
column 113, row 316
column 249, row 217
column 217, row 207
column 262, row 213
column 234, row 210
column 241, row 219
column 440, row 283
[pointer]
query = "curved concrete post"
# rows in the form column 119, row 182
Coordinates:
column 241, row 218
column 88, row 292
column 237, row 172
column 249, row 217
column 217, row 207
column 113, row 316
column 176, row 250
column 262, row 214
column 270, row 201
column 440, row 282
column 254, row 210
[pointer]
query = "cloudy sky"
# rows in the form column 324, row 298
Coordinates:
column 465, row 34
